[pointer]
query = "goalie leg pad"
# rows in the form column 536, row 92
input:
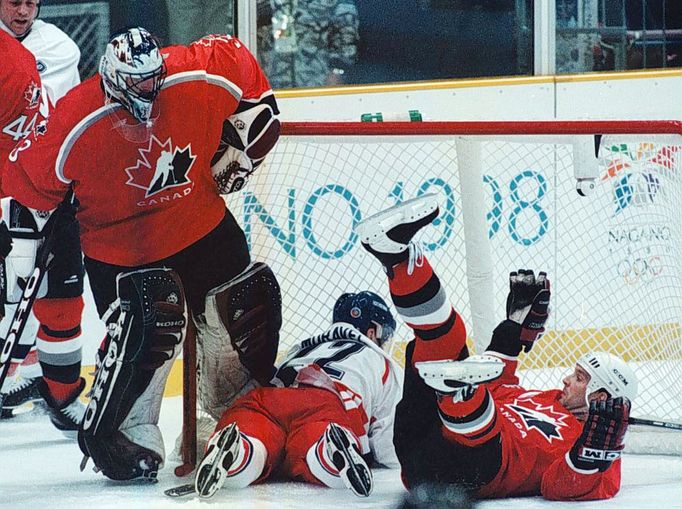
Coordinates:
column 145, row 333
column 238, row 337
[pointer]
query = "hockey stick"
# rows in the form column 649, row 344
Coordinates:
column 655, row 424
column 188, row 449
column 28, row 297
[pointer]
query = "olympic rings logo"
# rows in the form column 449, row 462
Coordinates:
column 640, row 270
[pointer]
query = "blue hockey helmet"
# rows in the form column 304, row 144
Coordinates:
column 365, row 310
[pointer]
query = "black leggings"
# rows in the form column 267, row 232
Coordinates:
column 425, row 454
column 202, row 266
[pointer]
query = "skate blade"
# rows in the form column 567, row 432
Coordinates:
column 207, row 482
column 411, row 210
column 180, row 491
column 358, row 477
column 462, row 372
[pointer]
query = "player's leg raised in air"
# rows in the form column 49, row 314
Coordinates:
column 440, row 335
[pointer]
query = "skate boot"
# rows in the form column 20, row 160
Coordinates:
column 223, row 450
column 388, row 234
column 67, row 415
column 20, row 397
column 451, row 377
column 345, row 456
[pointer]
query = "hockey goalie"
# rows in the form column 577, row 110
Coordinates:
column 148, row 147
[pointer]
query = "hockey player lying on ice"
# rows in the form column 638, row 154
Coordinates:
column 333, row 408
column 148, row 147
column 464, row 419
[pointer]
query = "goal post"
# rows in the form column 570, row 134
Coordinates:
column 508, row 200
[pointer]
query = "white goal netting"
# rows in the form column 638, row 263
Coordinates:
column 507, row 201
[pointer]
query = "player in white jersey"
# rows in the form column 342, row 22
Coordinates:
column 56, row 55
column 329, row 416
column 57, row 58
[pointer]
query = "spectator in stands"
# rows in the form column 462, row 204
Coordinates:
column 307, row 43
column 190, row 20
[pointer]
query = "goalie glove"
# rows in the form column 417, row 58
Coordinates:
column 528, row 304
column 601, row 441
column 247, row 137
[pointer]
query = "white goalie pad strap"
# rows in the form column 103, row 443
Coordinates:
column 30, row 329
column 140, row 426
column 148, row 436
column 25, row 226
column 222, row 378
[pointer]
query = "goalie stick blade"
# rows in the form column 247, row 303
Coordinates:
column 181, row 491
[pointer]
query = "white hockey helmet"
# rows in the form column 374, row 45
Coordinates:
column 610, row 373
column 133, row 71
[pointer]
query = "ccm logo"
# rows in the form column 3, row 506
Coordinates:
column 598, row 454
column 620, row 376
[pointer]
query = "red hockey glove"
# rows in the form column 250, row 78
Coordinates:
column 528, row 304
column 601, row 441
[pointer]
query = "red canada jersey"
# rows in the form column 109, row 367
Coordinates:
column 537, row 433
column 23, row 105
column 144, row 200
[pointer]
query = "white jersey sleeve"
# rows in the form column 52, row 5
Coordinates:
column 366, row 379
column 57, row 57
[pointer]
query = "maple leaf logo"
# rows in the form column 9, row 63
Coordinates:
column 543, row 418
column 32, row 95
column 161, row 166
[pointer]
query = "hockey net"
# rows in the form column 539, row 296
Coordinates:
column 508, row 200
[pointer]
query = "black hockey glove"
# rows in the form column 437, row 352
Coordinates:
column 601, row 441
column 528, row 304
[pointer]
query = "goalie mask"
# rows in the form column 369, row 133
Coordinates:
column 610, row 373
column 365, row 310
column 133, row 71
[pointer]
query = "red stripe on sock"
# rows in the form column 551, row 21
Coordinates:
column 404, row 283
column 61, row 392
column 446, row 347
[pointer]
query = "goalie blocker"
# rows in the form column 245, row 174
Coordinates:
column 146, row 326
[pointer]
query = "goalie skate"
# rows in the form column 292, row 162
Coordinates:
column 222, row 452
column 388, row 234
column 352, row 468
column 452, row 376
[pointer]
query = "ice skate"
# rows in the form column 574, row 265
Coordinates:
column 21, row 397
column 66, row 415
column 345, row 456
column 388, row 234
column 223, row 450
column 453, row 376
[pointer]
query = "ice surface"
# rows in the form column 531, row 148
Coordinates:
column 39, row 469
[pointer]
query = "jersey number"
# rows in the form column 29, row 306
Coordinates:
column 326, row 356
column 19, row 128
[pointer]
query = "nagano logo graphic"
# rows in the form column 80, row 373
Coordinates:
column 542, row 418
column 161, row 166
column 636, row 172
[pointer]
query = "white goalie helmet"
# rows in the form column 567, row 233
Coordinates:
column 610, row 373
column 133, row 71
